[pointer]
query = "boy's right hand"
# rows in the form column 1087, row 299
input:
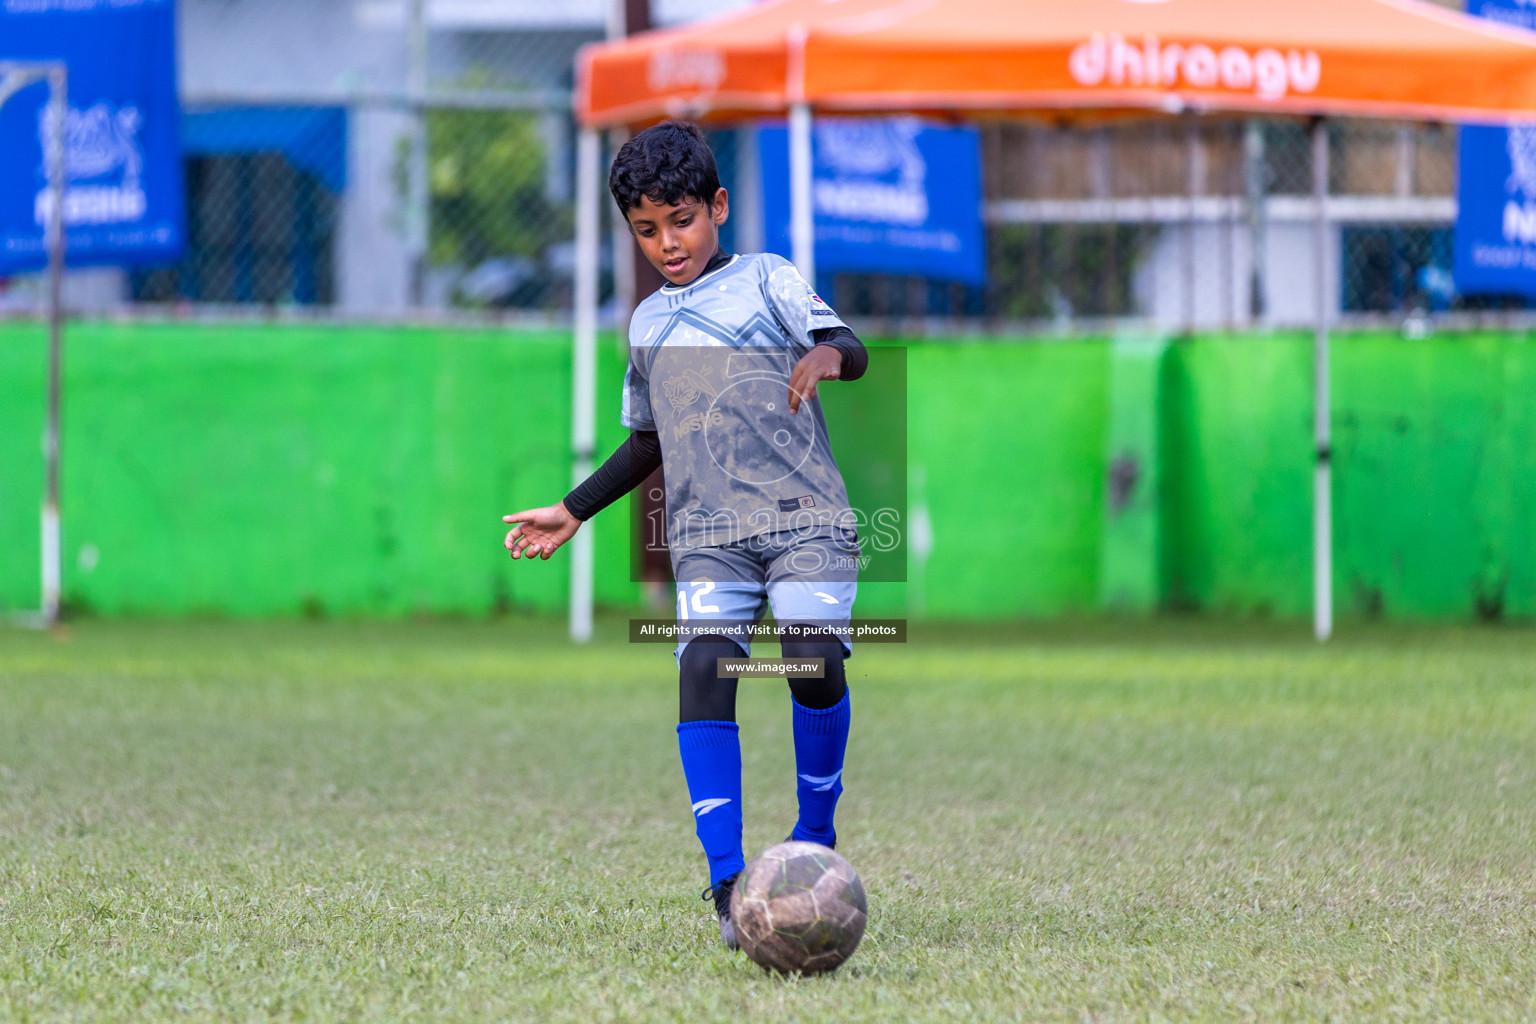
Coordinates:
column 540, row 531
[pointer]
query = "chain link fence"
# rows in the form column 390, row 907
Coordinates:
column 1208, row 222
column 441, row 183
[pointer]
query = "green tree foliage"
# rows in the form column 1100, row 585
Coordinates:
column 486, row 175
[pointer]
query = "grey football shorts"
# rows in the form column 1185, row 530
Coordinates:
column 723, row 590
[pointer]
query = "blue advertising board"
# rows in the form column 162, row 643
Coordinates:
column 1496, row 191
column 123, row 194
column 892, row 195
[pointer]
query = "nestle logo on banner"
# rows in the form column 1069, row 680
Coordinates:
column 878, row 173
column 102, row 153
column 1268, row 72
column 685, row 69
column 1520, row 217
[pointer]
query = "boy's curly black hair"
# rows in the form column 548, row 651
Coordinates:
column 664, row 163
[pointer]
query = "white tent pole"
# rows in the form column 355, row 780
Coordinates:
column 802, row 218
column 53, row 561
column 584, row 375
column 1322, row 496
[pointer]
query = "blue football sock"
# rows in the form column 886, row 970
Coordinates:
column 821, row 738
column 712, row 764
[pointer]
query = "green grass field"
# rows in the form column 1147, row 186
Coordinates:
column 474, row 821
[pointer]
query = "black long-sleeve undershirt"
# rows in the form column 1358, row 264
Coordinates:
column 855, row 355
column 637, row 458
column 640, row 454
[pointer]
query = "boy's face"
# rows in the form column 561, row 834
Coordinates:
column 679, row 240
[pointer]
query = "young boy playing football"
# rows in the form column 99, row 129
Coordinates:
column 724, row 362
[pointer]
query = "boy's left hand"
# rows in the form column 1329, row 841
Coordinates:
column 821, row 363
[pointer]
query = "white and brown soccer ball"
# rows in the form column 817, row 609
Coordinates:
column 799, row 908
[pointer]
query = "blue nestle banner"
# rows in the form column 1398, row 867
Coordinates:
column 893, row 195
column 1496, row 191
column 123, row 199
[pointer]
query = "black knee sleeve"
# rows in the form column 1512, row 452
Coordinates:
column 817, row 642
column 702, row 696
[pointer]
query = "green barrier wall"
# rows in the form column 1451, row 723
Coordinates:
column 1009, row 439
column 266, row 469
column 261, row 470
column 1235, row 420
column 1434, row 490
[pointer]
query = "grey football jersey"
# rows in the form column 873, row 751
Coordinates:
column 709, row 368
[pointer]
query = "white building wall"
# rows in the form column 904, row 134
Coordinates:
column 287, row 48
column 1222, row 263
column 317, row 52
column 1291, row 276
column 373, row 263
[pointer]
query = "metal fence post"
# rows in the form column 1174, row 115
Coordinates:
column 1255, row 186
column 1322, row 497
column 418, row 193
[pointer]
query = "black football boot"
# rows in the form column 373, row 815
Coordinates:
column 720, row 892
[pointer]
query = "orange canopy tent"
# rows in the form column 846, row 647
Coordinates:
column 1379, row 58
column 1049, row 58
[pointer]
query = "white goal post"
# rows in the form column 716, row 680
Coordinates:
column 14, row 76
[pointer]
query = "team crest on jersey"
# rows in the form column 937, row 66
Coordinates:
column 685, row 388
